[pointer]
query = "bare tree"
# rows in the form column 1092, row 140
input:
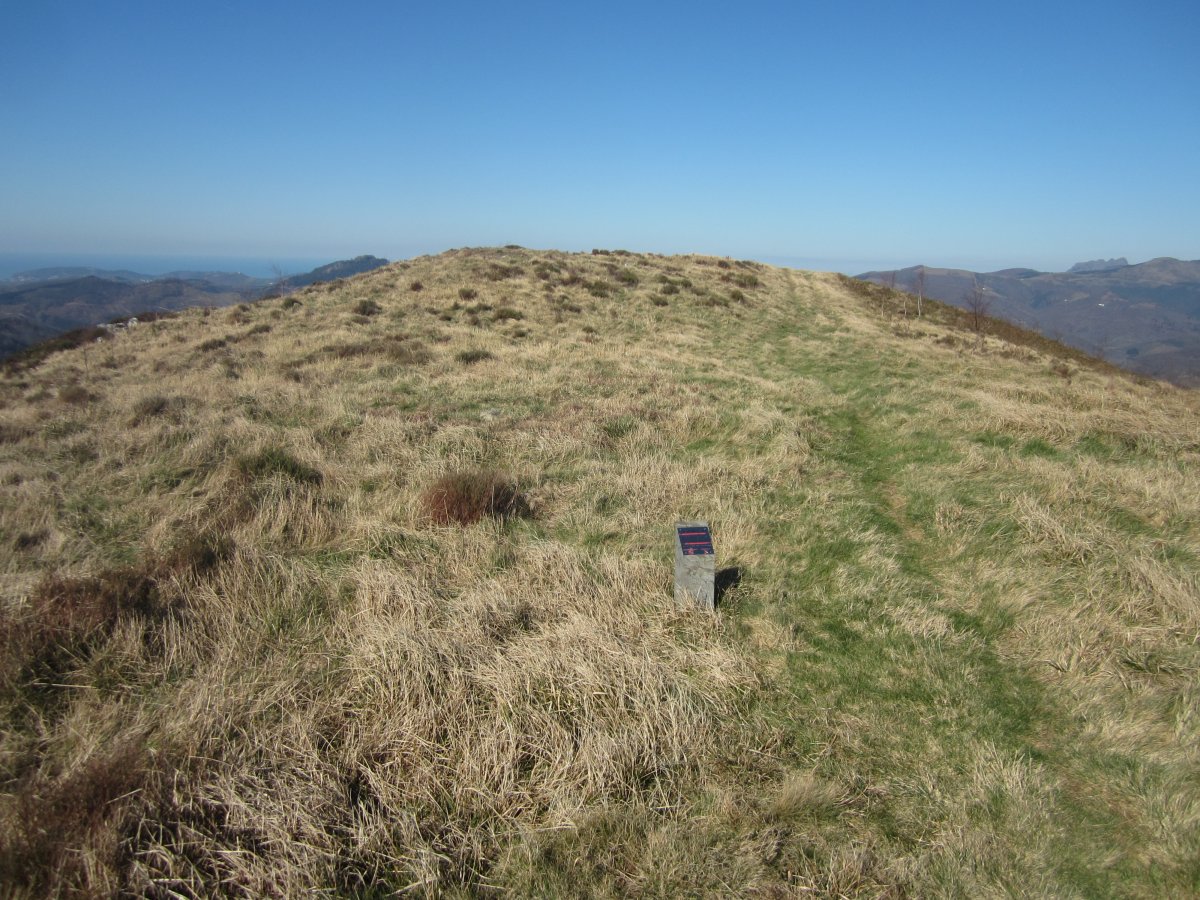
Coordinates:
column 977, row 303
column 889, row 281
column 919, row 287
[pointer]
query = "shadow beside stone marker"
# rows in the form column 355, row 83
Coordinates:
column 726, row 580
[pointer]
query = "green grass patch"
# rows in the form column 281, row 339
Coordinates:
column 274, row 462
column 1038, row 447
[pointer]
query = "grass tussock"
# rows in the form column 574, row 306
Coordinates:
column 395, row 349
column 463, row 498
column 67, row 617
column 75, row 394
column 274, row 462
column 64, row 836
column 474, row 355
column 157, row 406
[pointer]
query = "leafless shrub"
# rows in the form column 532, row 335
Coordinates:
column 977, row 304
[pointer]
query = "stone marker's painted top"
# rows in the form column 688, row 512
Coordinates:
column 695, row 540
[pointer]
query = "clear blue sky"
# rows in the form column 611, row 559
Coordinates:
column 837, row 135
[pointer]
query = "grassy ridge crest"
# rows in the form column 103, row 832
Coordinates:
column 368, row 589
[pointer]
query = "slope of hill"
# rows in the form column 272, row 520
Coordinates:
column 244, row 652
column 1145, row 317
column 344, row 268
column 38, row 304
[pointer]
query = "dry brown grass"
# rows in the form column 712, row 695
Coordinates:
column 279, row 675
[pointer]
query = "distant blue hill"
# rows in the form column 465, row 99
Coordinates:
column 1144, row 317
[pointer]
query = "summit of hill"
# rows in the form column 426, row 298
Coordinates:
column 367, row 589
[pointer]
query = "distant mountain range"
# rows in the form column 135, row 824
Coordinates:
column 39, row 304
column 231, row 280
column 1144, row 317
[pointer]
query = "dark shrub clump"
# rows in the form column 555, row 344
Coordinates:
column 57, row 817
column 155, row 406
column 74, row 393
column 473, row 356
column 67, row 617
column 497, row 272
column 466, row 497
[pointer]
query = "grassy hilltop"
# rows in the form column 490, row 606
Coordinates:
column 248, row 650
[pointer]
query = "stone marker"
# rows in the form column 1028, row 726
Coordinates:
column 695, row 565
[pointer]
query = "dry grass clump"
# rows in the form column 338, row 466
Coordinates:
column 76, row 394
column 466, row 497
column 66, row 617
column 501, row 272
column 271, row 462
column 402, row 730
column 156, row 406
column 474, row 355
column 63, row 835
column 398, row 349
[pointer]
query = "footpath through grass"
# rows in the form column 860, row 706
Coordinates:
column 894, row 585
